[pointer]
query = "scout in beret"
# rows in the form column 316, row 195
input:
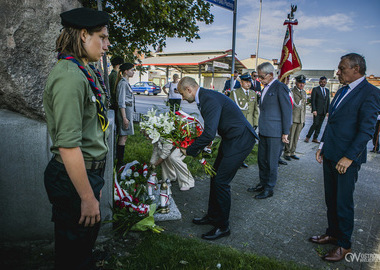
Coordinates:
column 75, row 107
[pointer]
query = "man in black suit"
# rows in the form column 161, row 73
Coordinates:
column 227, row 85
column 222, row 116
column 274, row 126
column 320, row 101
column 256, row 85
column 343, row 149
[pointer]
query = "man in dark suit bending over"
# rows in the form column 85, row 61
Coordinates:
column 222, row 116
column 275, row 121
column 343, row 149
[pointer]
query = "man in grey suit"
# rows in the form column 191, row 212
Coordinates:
column 274, row 127
column 320, row 101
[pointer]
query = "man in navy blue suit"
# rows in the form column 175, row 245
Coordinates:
column 343, row 148
column 222, row 116
column 275, row 121
column 227, row 85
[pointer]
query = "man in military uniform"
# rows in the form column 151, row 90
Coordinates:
column 299, row 109
column 246, row 100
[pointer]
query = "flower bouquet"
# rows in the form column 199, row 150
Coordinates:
column 133, row 208
column 179, row 128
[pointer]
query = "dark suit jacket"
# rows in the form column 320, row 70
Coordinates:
column 352, row 124
column 220, row 114
column 228, row 83
column 275, row 111
column 319, row 103
column 256, row 86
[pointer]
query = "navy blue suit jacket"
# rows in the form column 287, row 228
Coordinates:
column 275, row 111
column 228, row 83
column 352, row 124
column 222, row 115
column 256, row 86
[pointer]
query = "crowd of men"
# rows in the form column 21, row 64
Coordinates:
column 75, row 106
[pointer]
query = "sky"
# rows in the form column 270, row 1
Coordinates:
column 326, row 30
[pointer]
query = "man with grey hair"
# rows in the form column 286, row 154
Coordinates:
column 343, row 148
column 274, row 126
column 221, row 115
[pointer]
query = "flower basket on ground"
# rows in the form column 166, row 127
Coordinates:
column 133, row 208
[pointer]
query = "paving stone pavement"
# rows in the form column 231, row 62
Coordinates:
column 279, row 227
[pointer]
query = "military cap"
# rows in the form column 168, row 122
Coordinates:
column 301, row 78
column 246, row 77
column 84, row 18
column 126, row 66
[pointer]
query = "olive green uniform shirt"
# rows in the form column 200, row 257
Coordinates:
column 71, row 115
column 248, row 104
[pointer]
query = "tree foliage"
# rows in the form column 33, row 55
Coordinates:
column 136, row 25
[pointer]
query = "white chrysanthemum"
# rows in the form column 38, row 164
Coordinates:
column 136, row 174
column 128, row 173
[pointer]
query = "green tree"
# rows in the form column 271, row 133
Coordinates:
column 136, row 25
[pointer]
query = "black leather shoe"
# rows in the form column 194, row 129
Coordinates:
column 244, row 165
column 258, row 188
column 295, row 157
column 206, row 220
column 216, row 233
column 263, row 195
column 287, row 158
column 281, row 162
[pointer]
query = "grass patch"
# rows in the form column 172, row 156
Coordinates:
column 139, row 148
column 167, row 251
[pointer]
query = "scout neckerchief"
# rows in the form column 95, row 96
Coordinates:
column 98, row 94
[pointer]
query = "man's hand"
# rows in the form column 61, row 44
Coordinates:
column 284, row 138
column 343, row 165
column 183, row 150
column 315, row 113
column 318, row 156
column 327, row 114
column 90, row 213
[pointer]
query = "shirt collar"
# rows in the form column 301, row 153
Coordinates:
column 356, row 83
column 197, row 96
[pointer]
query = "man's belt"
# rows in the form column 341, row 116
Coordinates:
column 90, row 165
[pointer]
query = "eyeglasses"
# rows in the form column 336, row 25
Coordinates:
column 263, row 77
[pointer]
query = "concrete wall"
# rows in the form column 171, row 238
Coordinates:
column 25, row 211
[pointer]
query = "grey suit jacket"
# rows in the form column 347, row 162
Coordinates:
column 275, row 111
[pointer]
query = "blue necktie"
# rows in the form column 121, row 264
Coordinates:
column 341, row 95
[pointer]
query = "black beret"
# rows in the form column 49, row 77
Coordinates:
column 126, row 66
column 117, row 60
column 84, row 18
column 301, row 78
column 246, row 77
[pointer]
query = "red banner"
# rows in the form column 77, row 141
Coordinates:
column 290, row 61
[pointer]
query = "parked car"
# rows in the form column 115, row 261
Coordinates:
column 146, row 88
